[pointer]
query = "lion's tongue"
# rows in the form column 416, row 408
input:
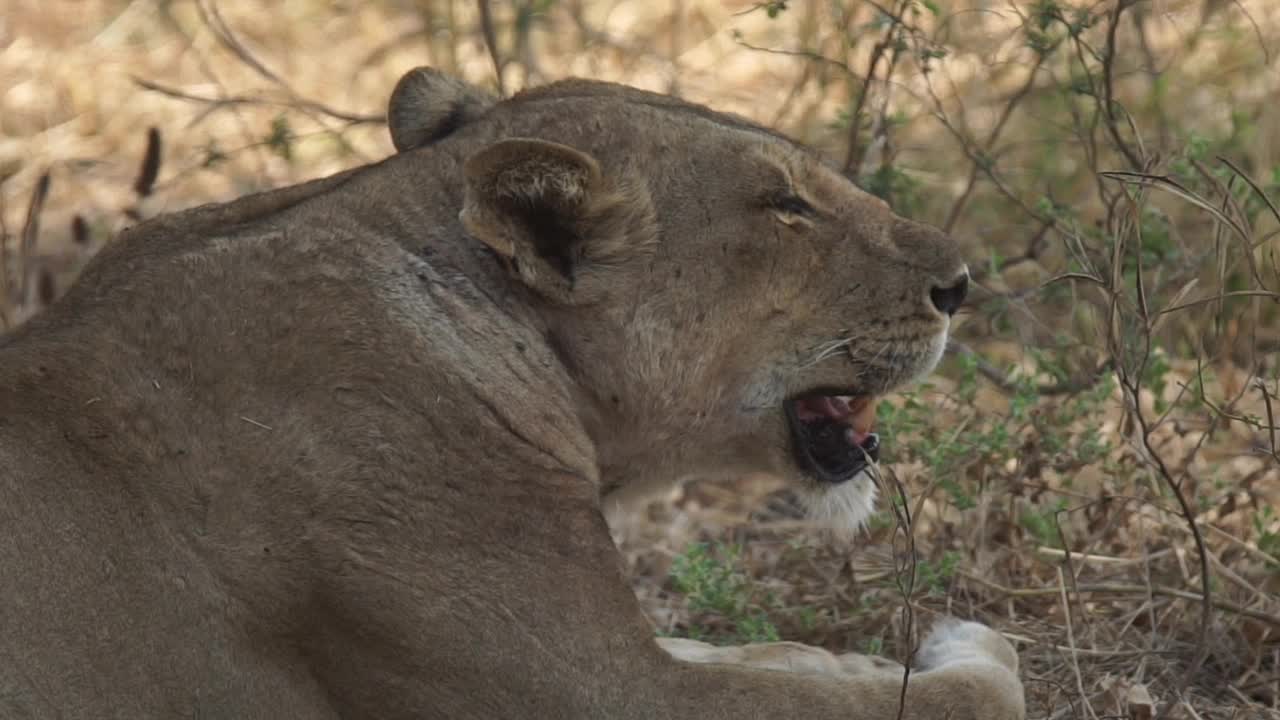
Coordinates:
column 858, row 412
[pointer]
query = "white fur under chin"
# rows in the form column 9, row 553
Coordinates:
column 845, row 507
column 937, row 348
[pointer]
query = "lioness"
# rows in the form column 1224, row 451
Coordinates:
column 340, row 450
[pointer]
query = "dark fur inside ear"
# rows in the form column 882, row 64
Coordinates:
column 554, row 240
column 428, row 105
column 547, row 210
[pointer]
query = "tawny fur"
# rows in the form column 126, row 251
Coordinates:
column 340, row 450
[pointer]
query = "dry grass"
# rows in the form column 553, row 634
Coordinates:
column 1094, row 471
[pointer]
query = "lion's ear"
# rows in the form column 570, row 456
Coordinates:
column 428, row 105
column 547, row 210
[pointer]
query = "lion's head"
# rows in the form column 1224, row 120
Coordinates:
column 725, row 300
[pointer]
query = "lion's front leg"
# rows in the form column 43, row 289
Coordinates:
column 788, row 656
column 963, row 670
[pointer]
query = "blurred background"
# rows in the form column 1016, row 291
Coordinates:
column 1094, row 470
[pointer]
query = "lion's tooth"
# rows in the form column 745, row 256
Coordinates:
column 854, row 437
column 863, row 416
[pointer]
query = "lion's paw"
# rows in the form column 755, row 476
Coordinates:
column 954, row 641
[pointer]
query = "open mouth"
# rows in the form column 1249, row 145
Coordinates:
column 831, row 433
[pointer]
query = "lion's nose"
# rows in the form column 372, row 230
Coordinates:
column 949, row 298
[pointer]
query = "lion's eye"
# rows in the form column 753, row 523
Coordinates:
column 792, row 205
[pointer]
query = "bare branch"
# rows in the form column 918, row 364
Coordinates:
column 293, row 102
column 31, row 234
column 491, row 43
column 1108, row 99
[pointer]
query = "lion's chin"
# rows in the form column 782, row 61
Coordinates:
column 844, row 508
